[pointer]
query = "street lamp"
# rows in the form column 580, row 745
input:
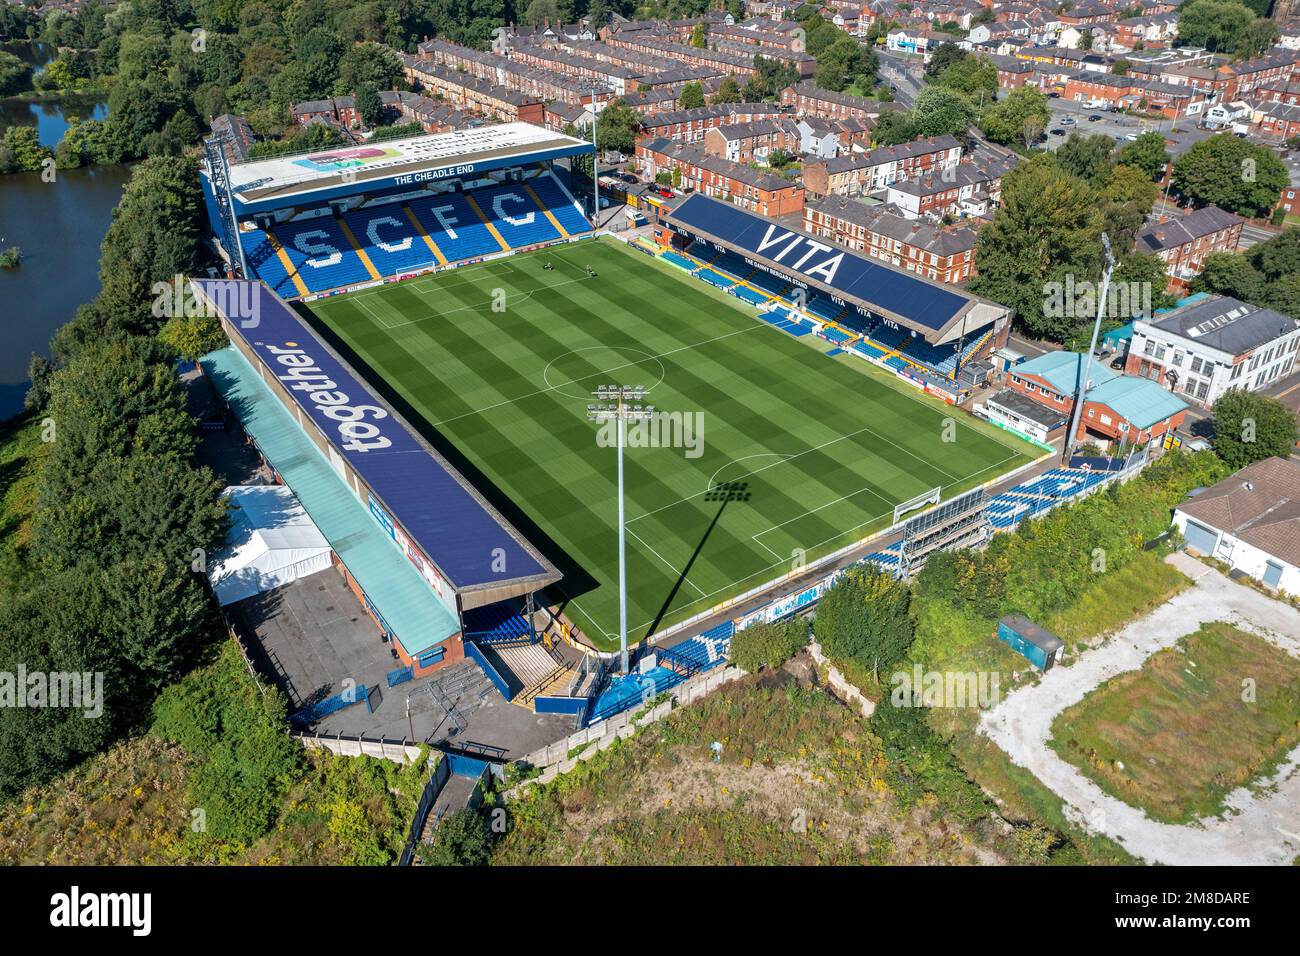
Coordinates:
column 620, row 404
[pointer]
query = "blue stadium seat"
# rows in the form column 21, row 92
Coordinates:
column 265, row 264
column 514, row 214
column 682, row 261
column 387, row 237
column 561, row 206
column 497, row 624
column 454, row 227
column 749, row 295
column 321, row 254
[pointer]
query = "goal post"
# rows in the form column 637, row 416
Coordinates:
column 930, row 497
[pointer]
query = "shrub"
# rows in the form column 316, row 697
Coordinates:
column 768, row 645
column 462, row 839
column 864, row 618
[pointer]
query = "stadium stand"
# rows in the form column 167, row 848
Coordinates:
column 497, row 625
column 318, row 253
column 386, row 236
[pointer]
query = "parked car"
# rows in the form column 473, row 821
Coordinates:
column 1069, row 121
column 1130, row 136
column 666, row 193
column 1094, row 118
column 1058, row 132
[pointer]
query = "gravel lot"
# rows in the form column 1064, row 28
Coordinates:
column 1261, row 828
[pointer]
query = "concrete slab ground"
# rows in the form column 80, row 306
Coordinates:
column 1261, row 825
column 310, row 636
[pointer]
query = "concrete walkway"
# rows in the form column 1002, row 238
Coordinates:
column 1257, row 829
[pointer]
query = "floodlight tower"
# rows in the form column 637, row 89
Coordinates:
column 1081, row 393
column 620, row 404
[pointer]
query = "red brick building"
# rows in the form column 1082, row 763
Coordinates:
column 1184, row 243
column 758, row 191
column 945, row 255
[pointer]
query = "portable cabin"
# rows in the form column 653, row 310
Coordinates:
column 1039, row 645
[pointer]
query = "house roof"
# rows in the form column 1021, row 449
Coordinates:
column 1178, row 232
column 1062, row 370
column 1140, row 401
column 1259, row 505
column 1226, row 324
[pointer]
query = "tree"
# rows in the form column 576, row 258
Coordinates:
column 768, row 645
column 22, row 150
column 700, row 36
column 616, row 127
column 1047, row 228
column 864, row 618
column 1088, row 157
column 1249, row 427
column 1232, row 174
column 1279, row 256
column 975, row 76
column 370, row 106
column 1006, row 122
column 691, row 97
column 15, row 75
column 728, row 91
column 461, row 839
column 844, row 62
column 1225, row 26
column 1126, row 197
column 940, row 111
column 368, row 64
column 1231, row 274
column 1146, row 153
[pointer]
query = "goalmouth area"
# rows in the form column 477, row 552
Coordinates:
column 768, row 451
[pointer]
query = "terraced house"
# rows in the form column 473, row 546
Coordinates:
column 762, row 192
column 861, row 173
column 1184, row 243
column 945, row 255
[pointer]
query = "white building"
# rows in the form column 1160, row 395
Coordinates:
column 1251, row 522
column 1204, row 349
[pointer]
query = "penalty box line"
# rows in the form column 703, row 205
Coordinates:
column 785, row 559
column 526, row 295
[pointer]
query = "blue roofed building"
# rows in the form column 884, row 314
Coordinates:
column 1118, row 408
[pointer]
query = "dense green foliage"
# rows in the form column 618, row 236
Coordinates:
column 462, row 839
column 1147, row 153
column 1046, row 237
column 121, row 518
column 1019, row 120
column 1267, row 274
column 235, row 729
column 1249, row 427
column 768, row 645
column 864, row 618
column 1052, row 559
column 1226, row 26
column 1231, row 173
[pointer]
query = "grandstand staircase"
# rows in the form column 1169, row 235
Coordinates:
column 282, row 254
column 424, row 234
column 478, row 211
column 357, row 248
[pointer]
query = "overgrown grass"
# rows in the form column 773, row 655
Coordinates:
column 1115, row 599
column 801, row 779
column 1215, row 712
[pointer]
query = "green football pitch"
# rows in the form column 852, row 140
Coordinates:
column 783, row 454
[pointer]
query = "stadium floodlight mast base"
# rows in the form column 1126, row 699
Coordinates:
column 1081, row 390
column 620, row 404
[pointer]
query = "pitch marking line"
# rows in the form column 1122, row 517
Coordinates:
column 602, row 374
column 675, row 570
column 483, row 308
column 783, row 560
column 789, row 458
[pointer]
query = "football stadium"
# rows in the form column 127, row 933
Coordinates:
column 453, row 316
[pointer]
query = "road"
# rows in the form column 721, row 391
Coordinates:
column 897, row 68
